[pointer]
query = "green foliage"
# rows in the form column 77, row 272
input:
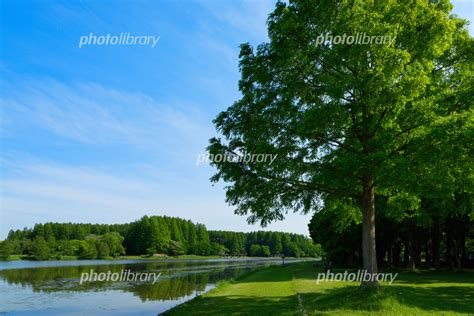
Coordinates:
column 150, row 235
column 175, row 248
column 218, row 249
column 435, row 233
column 103, row 250
column 41, row 249
column 65, row 248
column 265, row 251
column 341, row 242
column 403, row 201
column 255, row 250
column 114, row 242
column 348, row 122
column 335, row 114
column 275, row 244
column 88, row 249
column 6, row 249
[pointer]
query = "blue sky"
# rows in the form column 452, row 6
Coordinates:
column 110, row 133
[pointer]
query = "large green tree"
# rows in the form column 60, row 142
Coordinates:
column 340, row 117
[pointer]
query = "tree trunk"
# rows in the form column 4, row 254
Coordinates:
column 369, row 254
column 411, row 247
column 457, row 254
column 428, row 247
column 397, row 249
column 381, row 251
column 417, row 244
column 449, row 244
column 390, row 256
column 406, row 256
column 462, row 241
column 436, row 243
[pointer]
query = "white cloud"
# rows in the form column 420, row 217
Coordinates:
column 249, row 16
column 40, row 192
column 91, row 113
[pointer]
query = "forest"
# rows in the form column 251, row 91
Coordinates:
column 150, row 235
column 437, row 233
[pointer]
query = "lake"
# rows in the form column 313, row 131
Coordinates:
column 54, row 288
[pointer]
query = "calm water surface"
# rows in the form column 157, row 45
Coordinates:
column 53, row 288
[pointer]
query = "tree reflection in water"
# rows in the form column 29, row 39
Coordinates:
column 177, row 280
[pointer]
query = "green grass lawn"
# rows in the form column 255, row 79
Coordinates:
column 292, row 290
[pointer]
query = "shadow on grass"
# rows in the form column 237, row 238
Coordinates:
column 430, row 299
column 431, row 277
column 306, row 271
column 441, row 298
column 237, row 305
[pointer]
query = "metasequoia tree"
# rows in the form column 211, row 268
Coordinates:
column 339, row 116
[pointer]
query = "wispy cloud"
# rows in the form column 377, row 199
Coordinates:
column 39, row 191
column 91, row 113
column 249, row 16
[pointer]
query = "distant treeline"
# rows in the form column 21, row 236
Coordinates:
column 149, row 235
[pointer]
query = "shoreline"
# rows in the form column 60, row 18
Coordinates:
column 34, row 264
column 220, row 285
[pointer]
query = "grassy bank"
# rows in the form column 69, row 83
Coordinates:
column 292, row 290
column 13, row 258
column 184, row 257
column 26, row 257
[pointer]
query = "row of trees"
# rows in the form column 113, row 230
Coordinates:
column 435, row 234
column 264, row 243
column 162, row 234
column 149, row 235
column 177, row 236
column 42, row 247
